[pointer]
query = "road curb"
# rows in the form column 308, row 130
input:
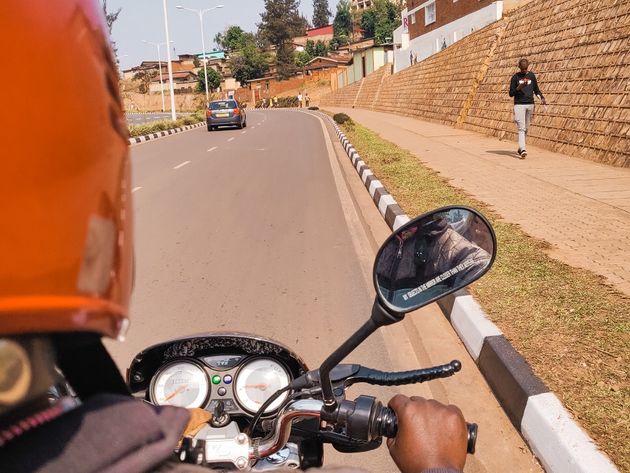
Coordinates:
column 549, row 429
column 153, row 136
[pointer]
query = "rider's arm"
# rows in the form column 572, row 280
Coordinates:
column 431, row 437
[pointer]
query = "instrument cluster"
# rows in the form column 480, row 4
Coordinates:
column 243, row 383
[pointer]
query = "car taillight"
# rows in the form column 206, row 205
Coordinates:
column 237, row 111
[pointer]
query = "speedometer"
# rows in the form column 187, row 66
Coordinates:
column 257, row 381
column 181, row 384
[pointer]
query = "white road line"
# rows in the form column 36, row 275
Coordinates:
column 231, row 139
column 253, row 127
column 136, row 188
column 181, row 165
column 213, row 148
column 243, row 132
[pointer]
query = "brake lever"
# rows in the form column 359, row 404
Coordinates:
column 384, row 378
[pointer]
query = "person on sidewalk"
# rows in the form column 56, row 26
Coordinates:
column 307, row 100
column 299, row 98
column 523, row 87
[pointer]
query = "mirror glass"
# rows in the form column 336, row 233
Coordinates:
column 432, row 256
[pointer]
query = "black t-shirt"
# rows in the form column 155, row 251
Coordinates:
column 525, row 96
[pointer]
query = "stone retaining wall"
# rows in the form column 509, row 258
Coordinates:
column 580, row 51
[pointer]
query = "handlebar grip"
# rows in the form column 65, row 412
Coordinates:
column 387, row 426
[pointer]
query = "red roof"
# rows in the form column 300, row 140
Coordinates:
column 324, row 30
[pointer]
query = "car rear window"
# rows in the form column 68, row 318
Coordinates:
column 223, row 105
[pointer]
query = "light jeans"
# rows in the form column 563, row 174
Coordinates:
column 523, row 117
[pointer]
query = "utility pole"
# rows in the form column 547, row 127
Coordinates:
column 170, row 66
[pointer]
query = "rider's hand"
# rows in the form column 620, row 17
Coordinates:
column 430, row 435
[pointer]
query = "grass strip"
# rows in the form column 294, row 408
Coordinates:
column 571, row 326
column 163, row 125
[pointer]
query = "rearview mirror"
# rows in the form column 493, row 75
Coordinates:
column 432, row 256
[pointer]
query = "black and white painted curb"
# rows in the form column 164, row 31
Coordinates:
column 160, row 134
column 554, row 437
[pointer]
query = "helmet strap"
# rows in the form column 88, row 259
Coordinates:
column 87, row 365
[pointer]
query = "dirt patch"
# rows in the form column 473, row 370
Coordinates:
column 572, row 327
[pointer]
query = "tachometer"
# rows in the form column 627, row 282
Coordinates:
column 257, row 381
column 181, row 384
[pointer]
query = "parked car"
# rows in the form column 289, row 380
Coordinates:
column 225, row 113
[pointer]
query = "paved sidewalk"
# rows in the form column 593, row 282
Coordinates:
column 582, row 208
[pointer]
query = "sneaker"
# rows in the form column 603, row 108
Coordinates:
column 523, row 154
column 519, row 151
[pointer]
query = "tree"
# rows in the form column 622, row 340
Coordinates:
column 315, row 49
column 342, row 24
column 321, row 49
column 214, row 79
column 302, row 58
column 387, row 19
column 280, row 23
column 368, row 22
column 321, row 13
column 110, row 19
column 145, row 77
column 233, row 38
column 248, row 63
column 285, row 61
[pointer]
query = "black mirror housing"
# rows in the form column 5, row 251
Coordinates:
column 432, row 256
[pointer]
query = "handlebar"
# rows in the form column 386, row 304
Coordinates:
column 386, row 424
column 376, row 420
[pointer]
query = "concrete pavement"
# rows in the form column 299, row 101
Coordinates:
column 582, row 208
column 264, row 230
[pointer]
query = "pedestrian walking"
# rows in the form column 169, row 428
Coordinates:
column 299, row 98
column 523, row 87
column 275, row 101
column 307, row 100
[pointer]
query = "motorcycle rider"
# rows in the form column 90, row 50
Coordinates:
column 67, row 270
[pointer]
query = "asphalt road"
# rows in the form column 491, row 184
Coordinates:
column 265, row 230
column 142, row 118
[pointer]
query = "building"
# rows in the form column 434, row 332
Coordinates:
column 183, row 82
column 356, row 45
column 429, row 26
column 364, row 62
column 359, row 5
column 332, row 61
column 178, row 65
column 325, row 34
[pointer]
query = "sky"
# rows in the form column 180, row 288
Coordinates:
column 144, row 20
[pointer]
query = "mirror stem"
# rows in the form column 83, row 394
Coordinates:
column 367, row 329
column 380, row 317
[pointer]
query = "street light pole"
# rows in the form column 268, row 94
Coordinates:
column 170, row 67
column 160, row 67
column 203, row 49
column 200, row 13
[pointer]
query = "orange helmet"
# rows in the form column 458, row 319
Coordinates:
column 65, row 202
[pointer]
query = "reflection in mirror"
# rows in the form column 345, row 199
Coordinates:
column 432, row 256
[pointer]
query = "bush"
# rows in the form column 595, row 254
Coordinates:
column 163, row 125
column 342, row 118
column 283, row 102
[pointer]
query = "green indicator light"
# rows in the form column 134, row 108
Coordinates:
column 216, row 379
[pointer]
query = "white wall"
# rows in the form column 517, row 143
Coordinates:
column 428, row 44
